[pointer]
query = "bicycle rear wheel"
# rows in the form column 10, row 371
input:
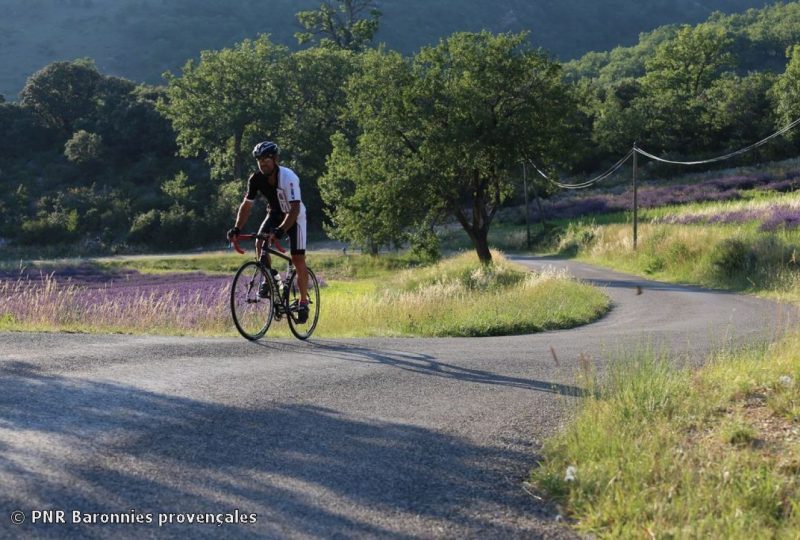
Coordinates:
column 252, row 312
column 302, row 330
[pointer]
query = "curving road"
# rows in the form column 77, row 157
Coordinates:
column 389, row 438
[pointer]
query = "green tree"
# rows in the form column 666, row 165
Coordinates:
column 787, row 91
column 228, row 96
column 739, row 111
column 55, row 222
column 84, row 147
column 178, row 189
column 369, row 203
column 62, row 93
column 451, row 127
column 677, row 78
column 22, row 132
column 346, row 24
column 314, row 105
column 689, row 63
column 619, row 116
column 129, row 122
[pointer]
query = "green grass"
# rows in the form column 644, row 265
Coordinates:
column 733, row 257
column 331, row 264
column 663, row 452
column 459, row 297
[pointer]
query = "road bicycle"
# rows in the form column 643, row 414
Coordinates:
column 259, row 294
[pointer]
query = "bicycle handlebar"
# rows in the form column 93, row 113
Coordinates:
column 235, row 242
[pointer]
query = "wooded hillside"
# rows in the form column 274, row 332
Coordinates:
column 140, row 39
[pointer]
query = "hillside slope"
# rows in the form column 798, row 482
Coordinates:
column 140, row 39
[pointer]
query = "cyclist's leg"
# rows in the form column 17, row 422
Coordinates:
column 297, row 245
column 269, row 223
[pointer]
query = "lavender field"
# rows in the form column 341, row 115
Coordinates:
column 768, row 215
column 83, row 297
column 728, row 188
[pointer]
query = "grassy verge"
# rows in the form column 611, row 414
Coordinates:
column 457, row 297
column 656, row 451
column 659, row 452
column 739, row 256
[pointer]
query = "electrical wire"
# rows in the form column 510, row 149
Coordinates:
column 588, row 183
column 720, row 158
column 618, row 164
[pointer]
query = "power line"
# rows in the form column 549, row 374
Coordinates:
column 637, row 149
column 720, row 158
column 587, row 183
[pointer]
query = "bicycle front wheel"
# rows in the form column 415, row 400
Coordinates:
column 302, row 329
column 252, row 295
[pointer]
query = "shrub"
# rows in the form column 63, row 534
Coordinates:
column 425, row 245
column 56, row 227
column 732, row 257
column 145, row 227
column 578, row 236
column 652, row 263
column 679, row 253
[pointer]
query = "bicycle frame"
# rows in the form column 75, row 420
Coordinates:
column 278, row 250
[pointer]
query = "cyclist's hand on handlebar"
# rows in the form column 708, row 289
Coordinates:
column 234, row 232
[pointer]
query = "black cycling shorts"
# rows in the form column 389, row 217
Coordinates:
column 296, row 233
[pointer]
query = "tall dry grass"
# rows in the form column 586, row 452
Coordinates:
column 656, row 451
column 49, row 305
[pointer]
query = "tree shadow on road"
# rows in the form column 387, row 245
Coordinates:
column 423, row 364
column 95, row 446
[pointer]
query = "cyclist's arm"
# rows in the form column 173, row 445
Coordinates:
column 291, row 217
column 244, row 213
column 290, row 184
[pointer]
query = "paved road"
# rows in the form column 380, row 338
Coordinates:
column 389, row 438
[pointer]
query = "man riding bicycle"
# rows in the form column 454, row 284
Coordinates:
column 286, row 213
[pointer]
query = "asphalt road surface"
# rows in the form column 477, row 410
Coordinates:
column 366, row 438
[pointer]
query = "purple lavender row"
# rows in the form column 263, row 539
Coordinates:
column 193, row 303
column 117, row 299
column 771, row 217
column 717, row 190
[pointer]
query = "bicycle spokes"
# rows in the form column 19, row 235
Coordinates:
column 252, row 300
column 301, row 324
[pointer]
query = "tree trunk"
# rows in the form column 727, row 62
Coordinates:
column 481, row 241
column 478, row 228
column 479, row 236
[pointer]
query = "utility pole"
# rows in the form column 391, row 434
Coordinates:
column 635, row 199
column 525, row 187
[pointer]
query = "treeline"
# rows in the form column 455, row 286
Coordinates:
column 693, row 91
column 386, row 145
column 88, row 162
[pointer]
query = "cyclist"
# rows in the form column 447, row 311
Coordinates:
column 286, row 213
